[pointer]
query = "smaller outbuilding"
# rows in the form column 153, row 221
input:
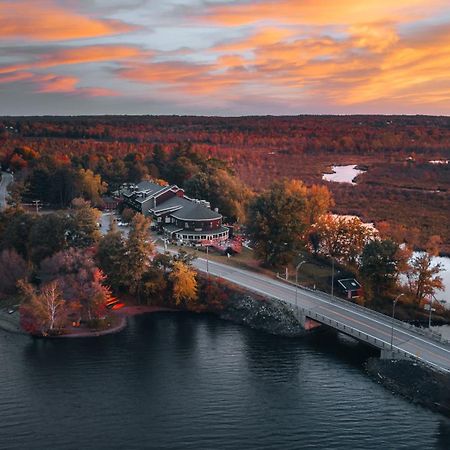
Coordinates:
column 350, row 287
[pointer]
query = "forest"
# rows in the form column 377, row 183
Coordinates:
column 400, row 187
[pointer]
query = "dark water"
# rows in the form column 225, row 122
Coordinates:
column 194, row 382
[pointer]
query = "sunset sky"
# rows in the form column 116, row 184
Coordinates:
column 224, row 57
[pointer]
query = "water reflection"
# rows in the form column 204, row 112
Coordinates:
column 195, row 382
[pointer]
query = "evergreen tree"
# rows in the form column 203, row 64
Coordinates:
column 138, row 252
column 380, row 266
column 111, row 257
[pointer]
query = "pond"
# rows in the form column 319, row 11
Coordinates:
column 343, row 174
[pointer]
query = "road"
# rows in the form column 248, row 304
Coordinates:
column 6, row 180
column 358, row 319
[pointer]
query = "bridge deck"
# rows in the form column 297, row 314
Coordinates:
column 361, row 323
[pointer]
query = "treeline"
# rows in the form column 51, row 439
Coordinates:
column 57, row 179
column 310, row 134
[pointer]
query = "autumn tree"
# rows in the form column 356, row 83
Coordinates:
column 81, row 281
column 43, row 311
column 12, row 269
column 153, row 285
column 91, row 186
column 184, row 283
column 277, row 222
column 423, row 277
column 319, row 200
column 342, row 238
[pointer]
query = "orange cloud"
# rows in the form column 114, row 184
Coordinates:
column 266, row 36
column 44, row 20
column 322, row 12
column 195, row 79
column 79, row 55
column 12, row 78
column 55, row 83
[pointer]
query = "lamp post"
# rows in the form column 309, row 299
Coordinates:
column 300, row 264
column 393, row 318
column 431, row 301
column 332, row 278
column 207, row 261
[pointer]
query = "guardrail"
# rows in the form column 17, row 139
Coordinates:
column 422, row 331
column 371, row 340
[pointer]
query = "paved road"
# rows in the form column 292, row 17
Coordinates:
column 360, row 320
column 7, row 178
column 346, row 314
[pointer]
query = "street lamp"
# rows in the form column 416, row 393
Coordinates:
column 332, row 278
column 393, row 317
column 207, row 261
column 430, row 304
column 300, row 264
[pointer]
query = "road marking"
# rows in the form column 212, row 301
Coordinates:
column 445, row 359
column 304, row 293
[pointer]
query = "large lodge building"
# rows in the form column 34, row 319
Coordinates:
column 179, row 217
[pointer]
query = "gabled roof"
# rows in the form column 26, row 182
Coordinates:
column 144, row 191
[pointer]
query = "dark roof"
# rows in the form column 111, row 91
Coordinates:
column 187, row 209
column 171, row 203
column 195, row 211
column 148, row 187
column 349, row 284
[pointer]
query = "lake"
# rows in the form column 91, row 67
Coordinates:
column 180, row 381
column 343, row 174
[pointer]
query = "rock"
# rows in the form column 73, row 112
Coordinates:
column 416, row 382
column 269, row 315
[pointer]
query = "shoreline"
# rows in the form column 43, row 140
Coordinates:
column 123, row 315
column 10, row 322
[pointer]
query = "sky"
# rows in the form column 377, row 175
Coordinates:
column 224, row 57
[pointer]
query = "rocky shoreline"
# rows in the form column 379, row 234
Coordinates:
column 264, row 314
column 419, row 384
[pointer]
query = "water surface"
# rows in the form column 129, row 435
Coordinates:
column 175, row 381
column 343, row 174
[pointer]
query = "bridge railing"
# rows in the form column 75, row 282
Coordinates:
column 399, row 323
column 369, row 339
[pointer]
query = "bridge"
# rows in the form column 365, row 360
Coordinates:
column 363, row 324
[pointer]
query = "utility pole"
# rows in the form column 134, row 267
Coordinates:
column 36, row 203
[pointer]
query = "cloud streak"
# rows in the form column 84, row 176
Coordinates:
column 47, row 21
